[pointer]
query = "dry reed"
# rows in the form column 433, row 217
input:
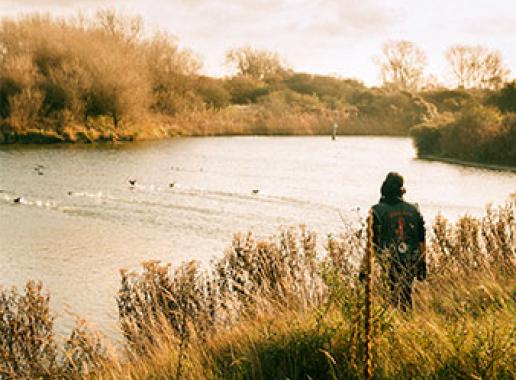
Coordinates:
column 277, row 308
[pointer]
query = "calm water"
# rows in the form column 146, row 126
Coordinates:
column 76, row 242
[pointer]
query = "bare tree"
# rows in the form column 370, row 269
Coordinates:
column 119, row 25
column 476, row 66
column 402, row 65
column 458, row 60
column 256, row 63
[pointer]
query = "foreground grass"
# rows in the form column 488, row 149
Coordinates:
column 477, row 342
column 278, row 309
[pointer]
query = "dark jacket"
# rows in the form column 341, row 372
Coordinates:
column 399, row 227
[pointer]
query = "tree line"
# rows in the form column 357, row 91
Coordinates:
column 402, row 66
column 105, row 78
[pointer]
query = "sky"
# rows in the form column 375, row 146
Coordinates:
column 335, row 37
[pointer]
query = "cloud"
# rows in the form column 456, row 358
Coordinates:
column 500, row 26
column 10, row 8
column 351, row 18
column 324, row 36
column 51, row 3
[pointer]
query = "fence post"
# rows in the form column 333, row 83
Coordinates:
column 368, row 370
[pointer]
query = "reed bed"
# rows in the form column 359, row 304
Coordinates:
column 277, row 308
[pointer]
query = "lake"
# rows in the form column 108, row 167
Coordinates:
column 79, row 220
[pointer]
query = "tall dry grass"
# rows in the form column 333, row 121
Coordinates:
column 29, row 348
column 277, row 308
column 283, row 310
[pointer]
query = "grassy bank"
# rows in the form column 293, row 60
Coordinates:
column 277, row 308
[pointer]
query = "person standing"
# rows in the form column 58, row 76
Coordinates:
column 399, row 240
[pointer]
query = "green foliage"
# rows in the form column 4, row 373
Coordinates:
column 213, row 92
column 245, row 90
column 448, row 100
column 505, row 99
column 474, row 126
column 427, row 138
column 399, row 111
column 325, row 88
column 476, row 131
column 276, row 101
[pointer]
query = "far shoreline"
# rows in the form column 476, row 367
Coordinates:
column 473, row 164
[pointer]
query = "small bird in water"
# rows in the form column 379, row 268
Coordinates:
column 256, row 191
column 17, row 200
column 171, row 184
column 70, row 193
column 132, row 182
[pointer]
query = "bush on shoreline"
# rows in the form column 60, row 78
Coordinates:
column 276, row 308
column 476, row 133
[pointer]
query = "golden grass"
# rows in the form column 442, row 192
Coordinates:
column 277, row 309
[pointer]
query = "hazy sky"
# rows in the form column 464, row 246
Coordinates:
column 326, row 36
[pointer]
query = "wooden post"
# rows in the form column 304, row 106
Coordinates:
column 334, row 131
column 368, row 370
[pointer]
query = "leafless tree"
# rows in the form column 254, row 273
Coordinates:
column 402, row 65
column 119, row 25
column 476, row 67
column 256, row 63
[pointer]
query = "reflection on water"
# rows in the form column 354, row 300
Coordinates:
column 79, row 220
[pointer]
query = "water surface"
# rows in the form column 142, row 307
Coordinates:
column 80, row 221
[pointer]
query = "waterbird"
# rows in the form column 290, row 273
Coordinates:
column 132, row 182
column 70, row 193
column 256, row 191
column 17, row 200
column 171, row 184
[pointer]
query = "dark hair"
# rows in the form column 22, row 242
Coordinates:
column 392, row 186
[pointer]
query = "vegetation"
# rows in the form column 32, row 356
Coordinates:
column 471, row 128
column 402, row 65
column 101, row 79
column 277, row 308
column 476, row 67
column 104, row 79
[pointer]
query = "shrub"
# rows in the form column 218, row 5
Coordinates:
column 245, row 90
column 28, row 347
column 213, row 92
column 427, row 138
column 505, row 99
